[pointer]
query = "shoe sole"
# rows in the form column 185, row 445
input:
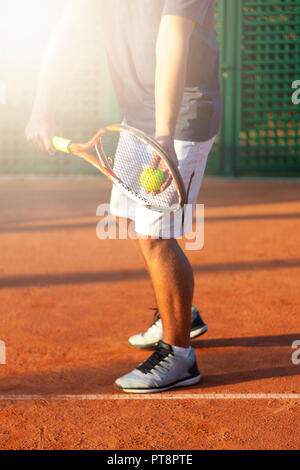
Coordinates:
column 198, row 332
column 182, row 383
column 194, row 334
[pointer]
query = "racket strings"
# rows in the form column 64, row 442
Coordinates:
column 128, row 156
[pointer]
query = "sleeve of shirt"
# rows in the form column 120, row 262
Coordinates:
column 192, row 9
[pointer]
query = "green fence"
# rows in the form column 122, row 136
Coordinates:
column 260, row 58
column 267, row 122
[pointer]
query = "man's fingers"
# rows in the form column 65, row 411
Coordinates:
column 155, row 161
column 42, row 142
column 49, row 147
column 37, row 142
column 47, row 144
column 39, row 133
column 166, row 184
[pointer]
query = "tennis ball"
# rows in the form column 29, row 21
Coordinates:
column 152, row 179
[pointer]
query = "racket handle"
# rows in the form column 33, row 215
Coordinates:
column 61, row 144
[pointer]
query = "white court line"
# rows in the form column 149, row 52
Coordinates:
column 158, row 396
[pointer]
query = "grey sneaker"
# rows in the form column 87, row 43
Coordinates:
column 154, row 334
column 162, row 371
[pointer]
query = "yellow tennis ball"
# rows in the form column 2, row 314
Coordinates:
column 152, row 179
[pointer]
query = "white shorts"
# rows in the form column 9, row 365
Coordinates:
column 192, row 158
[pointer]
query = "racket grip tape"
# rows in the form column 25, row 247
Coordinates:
column 61, row 144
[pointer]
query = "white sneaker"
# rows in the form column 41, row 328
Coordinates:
column 154, row 334
column 163, row 370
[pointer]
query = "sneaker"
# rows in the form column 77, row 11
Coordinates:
column 162, row 371
column 154, row 334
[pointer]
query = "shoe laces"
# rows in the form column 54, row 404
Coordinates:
column 156, row 319
column 155, row 359
column 156, row 315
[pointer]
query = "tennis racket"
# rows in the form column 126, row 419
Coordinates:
column 122, row 154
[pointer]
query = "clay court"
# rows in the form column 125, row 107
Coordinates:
column 69, row 302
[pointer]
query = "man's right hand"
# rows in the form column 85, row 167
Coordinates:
column 39, row 133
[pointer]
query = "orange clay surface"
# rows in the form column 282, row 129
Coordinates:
column 69, row 302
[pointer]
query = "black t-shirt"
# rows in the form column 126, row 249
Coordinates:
column 130, row 30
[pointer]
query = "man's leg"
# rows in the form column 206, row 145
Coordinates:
column 169, row 366
column 173, row 283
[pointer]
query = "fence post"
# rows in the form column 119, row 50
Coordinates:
column 231, row 52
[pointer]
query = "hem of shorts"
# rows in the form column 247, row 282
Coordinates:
column 171, row 237
column 116, row 214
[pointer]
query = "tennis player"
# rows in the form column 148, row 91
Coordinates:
column 164, row 63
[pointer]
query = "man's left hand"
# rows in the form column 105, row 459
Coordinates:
column 167, row 143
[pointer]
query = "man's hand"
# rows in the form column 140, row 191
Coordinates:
column 167, row 143
column 39, row 133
